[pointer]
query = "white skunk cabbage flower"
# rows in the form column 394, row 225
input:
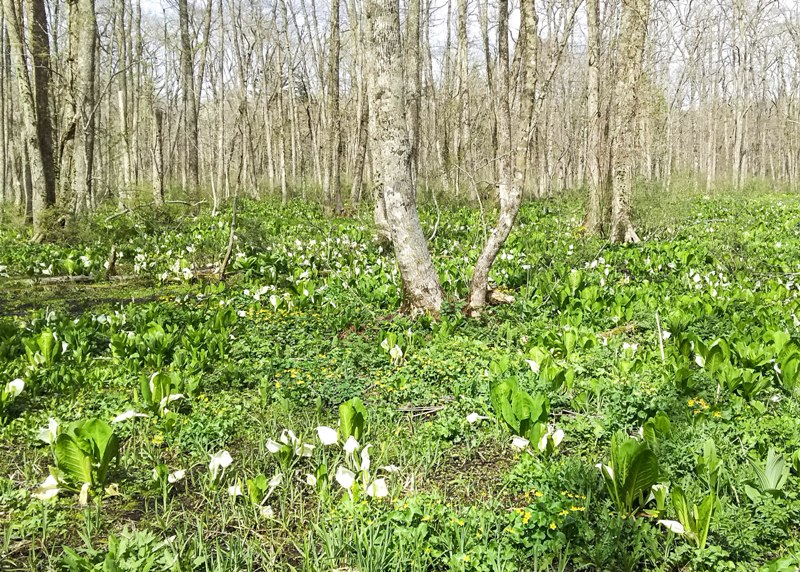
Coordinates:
column 519, row 443
column 327, row 435
column 129, row 414
column 345, row 477
column 673, row 526
column 221, row 460
column 378, row 489
column 83, row 497
column 47, row 490
column 351, row 445
column 474, row 418
column 15, row 387
column 50, row 433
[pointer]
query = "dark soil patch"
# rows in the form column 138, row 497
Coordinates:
column 471, row 476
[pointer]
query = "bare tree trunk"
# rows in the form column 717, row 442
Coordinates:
column 442, row 131
column 66, row 124
column 633, row 34
column 361, row 148
column 460, row 133
column 490, row 87
column 413, row 73
column 594, row 206
column 421, row 290
column 6, row 192
column 158, row 155
column 333, row 191
column 34, row 91
column 189, row 99
column 362, row 128
column 85, row 99
column 122, row 104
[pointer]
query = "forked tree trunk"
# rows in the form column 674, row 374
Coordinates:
column 421, row 290
column 633, row 33
column 513, row 153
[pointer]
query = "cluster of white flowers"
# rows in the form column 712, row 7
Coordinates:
column 361, row 463
column 553, row 435
column 290, row 440
column 713, row 280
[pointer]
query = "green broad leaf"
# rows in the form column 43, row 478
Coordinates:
column 718, row 354
column 643, row 473
column 73, row 461
column 656, row 427
column 527, row 411
column 85, row 451
column 752, row 494
column 682, row 509
column 144, row 387
column 703, row 519
column 575, row 281
column 769, row 478
column 613, row 489
column 501, row 395
column 634, row 471
column 352, row 419
column 779, row 339
column 257, row 488
column 776, row 471
column 789, row 365
column 108, row 451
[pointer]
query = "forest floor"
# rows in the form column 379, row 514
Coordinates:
column 290, row 419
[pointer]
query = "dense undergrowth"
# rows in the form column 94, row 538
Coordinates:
column 192, row 408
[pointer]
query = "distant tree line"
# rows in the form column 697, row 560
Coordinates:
column 116, row 100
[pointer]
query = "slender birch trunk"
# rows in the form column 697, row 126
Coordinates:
column 594, row 207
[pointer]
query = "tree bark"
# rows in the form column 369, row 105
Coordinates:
column 633, row 34
column 421, row 290
column 85, row 101
column 594, row 207
column 158, row 154
column 413, row 73
column 126, row 186
column 189, row 100
column 34, row 89
column 333, row 191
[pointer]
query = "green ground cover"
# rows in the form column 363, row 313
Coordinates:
column 673, row 364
